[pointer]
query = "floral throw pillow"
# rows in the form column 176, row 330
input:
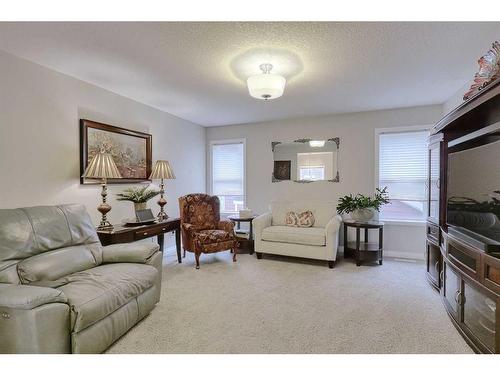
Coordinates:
column 306, row 219
column 291, row 219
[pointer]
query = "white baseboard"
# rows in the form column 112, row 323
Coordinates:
column 404, row 255
column 396, row 254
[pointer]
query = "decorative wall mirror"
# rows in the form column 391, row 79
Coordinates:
column 306, row 160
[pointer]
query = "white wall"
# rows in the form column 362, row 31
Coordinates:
column 356, row 161
column 39, row 140
column 39, row 147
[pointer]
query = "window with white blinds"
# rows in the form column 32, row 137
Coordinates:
column 403, row 168
column 228, row 174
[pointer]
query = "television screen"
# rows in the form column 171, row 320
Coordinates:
column 473, row 206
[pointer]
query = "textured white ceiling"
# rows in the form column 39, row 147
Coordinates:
column 197, row 71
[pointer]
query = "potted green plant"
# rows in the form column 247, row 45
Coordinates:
column 361, row 207
column 137, row 195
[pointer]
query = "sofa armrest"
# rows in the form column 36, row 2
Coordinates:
column 33, row 319
column 27, row 297
column 226, row 225
column 261, row 222
column 332, row 233
column 133, row 252
column 333, row 225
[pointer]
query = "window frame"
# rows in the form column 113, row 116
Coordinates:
column 210, row 167
column 399, row 129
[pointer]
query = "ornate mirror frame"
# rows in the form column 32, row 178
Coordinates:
column 305, row 140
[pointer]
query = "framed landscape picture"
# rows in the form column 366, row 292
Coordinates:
column 131, row 151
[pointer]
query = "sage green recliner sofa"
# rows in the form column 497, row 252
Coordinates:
column 61, row 291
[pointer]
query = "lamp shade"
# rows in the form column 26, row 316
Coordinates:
column 102, row 166
column 162, row 170
column 266, row 86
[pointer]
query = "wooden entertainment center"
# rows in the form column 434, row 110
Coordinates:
column 466, row 276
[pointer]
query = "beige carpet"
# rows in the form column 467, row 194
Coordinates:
column 280, row 305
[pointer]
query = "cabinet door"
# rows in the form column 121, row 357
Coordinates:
column 451, row 290
column 433, row 263
column 434, row 182
column 480, row 314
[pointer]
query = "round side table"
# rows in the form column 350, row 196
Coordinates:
column 364, row 251
column 245, row 244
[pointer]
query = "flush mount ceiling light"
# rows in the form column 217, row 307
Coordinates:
column 316, row 143
column 266, row 86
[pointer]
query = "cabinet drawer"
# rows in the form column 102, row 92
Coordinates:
column 433, row 232
column 464, row 257
column 491, row 273
column 149, row 232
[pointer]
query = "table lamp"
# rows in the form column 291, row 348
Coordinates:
column 161, row 171
column 102, row 166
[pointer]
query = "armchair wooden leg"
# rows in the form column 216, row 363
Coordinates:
column 184, row 253
column 331, row 263
column 234, row 250
column 197, row 257
column 259, row 255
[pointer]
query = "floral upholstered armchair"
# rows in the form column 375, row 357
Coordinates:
column 202, row 229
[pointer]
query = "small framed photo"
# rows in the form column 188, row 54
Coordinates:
column 282, row 169
column 144, row 215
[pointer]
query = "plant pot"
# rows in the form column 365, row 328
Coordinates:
column 362, row 214
column 139, row 206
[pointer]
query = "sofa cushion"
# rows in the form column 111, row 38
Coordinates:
column 213, row 236
column 95, row 293
column 304, row 236
column 16, row 235
column 55, row 264
column 323, row 211
column 306, row 219
column 291, row 219
column 29, row 231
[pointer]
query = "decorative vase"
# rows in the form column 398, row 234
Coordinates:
column 362, row 214
column 139, row 206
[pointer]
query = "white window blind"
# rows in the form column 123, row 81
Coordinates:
column 228, row 175
column 312, row 173
column 315, row 166
column 403, row 168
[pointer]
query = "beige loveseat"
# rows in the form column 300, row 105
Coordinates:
column 61, row 291
column 320, row 241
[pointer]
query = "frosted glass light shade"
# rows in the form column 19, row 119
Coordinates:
column 316, row 143
column 266, row 86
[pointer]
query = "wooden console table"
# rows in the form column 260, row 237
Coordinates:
column 125, row 233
